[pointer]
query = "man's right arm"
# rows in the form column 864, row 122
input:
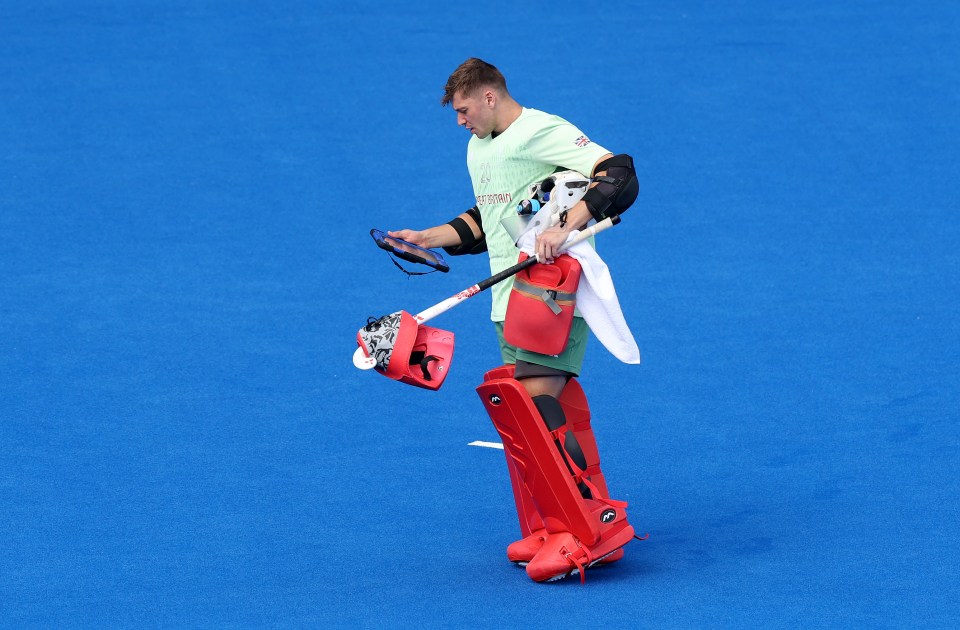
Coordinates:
column 462, row 235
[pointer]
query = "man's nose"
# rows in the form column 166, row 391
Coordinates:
column 461, row 120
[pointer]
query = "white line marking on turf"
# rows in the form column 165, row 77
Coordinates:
column 486, row 444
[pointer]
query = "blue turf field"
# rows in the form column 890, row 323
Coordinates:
column 185, row 194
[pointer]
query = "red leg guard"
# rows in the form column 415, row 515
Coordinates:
column 530, row 520
column 538, row 463
column 575, row 408
column 579, row 532
column 504, row 371
column 577, row 411
column 574, row 403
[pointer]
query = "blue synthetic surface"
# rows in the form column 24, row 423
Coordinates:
column 185, row 194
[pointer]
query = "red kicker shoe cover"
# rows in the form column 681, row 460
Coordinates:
column 563, row 554
column 523, row 551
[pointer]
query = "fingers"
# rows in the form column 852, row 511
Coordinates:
column 548, row 245
column 411, row 236
column 545, row 249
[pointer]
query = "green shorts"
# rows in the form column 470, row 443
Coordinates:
column 570, row 360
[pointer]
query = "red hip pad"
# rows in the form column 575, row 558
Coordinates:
column 540, row 308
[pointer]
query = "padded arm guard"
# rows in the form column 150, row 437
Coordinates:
column 616, row 191
column 469, row 244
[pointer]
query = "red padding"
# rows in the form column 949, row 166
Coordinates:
column 537, row 461
column 530, row 322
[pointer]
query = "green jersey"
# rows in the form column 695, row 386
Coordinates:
column 503, row 168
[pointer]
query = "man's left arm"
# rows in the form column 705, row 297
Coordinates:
column 613, row 191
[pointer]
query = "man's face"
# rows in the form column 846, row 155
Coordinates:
column 475, row 113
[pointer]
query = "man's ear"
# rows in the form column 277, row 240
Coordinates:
column 490, row 98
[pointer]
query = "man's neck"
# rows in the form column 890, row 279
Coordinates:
column 511, row 110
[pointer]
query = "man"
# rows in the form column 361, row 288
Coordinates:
column 567, row 518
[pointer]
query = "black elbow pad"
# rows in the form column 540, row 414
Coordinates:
column 469, row 244
column 616, row 191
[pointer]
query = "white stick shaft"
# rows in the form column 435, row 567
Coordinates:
column 446, row 305
column 593, row 230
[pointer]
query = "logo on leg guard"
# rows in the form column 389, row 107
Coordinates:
column 495, row 399
column 608, row 516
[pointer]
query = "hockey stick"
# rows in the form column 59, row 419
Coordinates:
column 362, row 361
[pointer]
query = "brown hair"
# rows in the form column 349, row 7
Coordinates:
column 471, row 75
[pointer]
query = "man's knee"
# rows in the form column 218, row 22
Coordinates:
column 544, row 385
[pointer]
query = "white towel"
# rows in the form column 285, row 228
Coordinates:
column 596, row 299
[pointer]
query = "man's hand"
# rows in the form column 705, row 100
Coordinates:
column 417, row 237
column 438, row 236
column 549, row 241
